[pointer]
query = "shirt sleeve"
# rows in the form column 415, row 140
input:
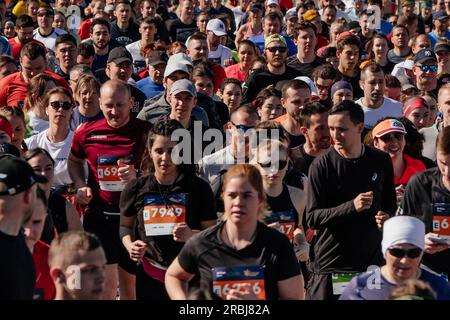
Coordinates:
column 77, row 144
column 128, row 199
column 416, row 201
column 187, row 257
column 287, row 263
column 316, row 216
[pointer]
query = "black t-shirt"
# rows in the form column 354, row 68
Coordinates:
column 304, row 162
column 425, row 193
column 146, row 194
column 259, row 80
column 281, row 205
column 17, row 275
column 305, row 68
column 178, row 31
column 127, row 36
column 348, row 240
column 354, row 81
column 270, row 249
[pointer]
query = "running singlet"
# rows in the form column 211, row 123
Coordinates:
column 103, row 146
column 283, row 211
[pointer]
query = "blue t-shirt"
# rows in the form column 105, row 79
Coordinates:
column 434, row 37
column 5, row 47
column 149, row 87
column 371, row 286
column 385, row 27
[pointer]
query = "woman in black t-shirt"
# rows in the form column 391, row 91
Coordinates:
column 168, row 206
column 240, row 258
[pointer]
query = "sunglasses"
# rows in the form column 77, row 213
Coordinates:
column 389, row 137
column 242, row 127
column 66, row 105
column 410, row 253
column 426, row 68
column 268, row 165
column 275, row 49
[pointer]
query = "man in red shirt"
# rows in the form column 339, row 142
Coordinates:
column 14, row 87
column 24, row 30
column 113, row 148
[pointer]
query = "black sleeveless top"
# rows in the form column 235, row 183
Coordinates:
column 281, row 207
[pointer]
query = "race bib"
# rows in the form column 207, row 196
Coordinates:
column 340, row 281
column 441, row 220
column 108, row 173
column 161, row 215
column 228, row 278
column 286, row 219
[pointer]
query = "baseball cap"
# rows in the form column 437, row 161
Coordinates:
column 406, row 83
column 109, row 8
column 173, row 67
column 217, row 27
column 256, row 6
column 440, row 15
column 345, row 34
column 158, row 58
column 6, row 127
column 270, row 2
column 291, row 13
column 341, row 85
column 119, row 55
column 274, row 38
column 183, row 85
column 17, row 175
column 310, row 15
column 404, row 3
column 180, row 58
column 442, row 47
column 9, row 148
column 424, row 55
column 388, row 126
column 310, row 84
column 353, row 25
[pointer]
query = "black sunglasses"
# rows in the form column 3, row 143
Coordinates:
column 275, row 49
column 410, row 253
column 280, row 165
column 66, row 105
column 388, row 137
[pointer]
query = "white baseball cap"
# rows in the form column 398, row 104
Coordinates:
column 216, row 26
column 269, row 2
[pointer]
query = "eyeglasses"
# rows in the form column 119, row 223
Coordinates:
column 426, row 68
column 400, row 253
column 280, row 165
column 242, row 127
column 66, row 105
column 389, row 137
column 275, row 49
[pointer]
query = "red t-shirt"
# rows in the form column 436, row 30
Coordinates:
column 102, row 146
column 13, row 89
column 219, row 76
column 44, row 288
column 412, row 166
column 85, row 29
column 17, row 46
column 234, row 71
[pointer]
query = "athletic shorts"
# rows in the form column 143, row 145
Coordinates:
column 106, row 227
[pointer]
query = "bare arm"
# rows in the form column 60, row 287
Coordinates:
column 177, row 280
column 72, row 217
column 76, row 171
column 292, row 288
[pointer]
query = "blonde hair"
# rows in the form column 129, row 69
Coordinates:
column 254, row 178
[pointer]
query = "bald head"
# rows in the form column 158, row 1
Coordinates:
column 116, row 102
column 115, row 86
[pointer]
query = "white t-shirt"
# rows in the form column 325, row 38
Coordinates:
column 389, row 108
column 138, row 60
column 48, row 41
column 37, row 124
column 59, row 152
column 220, row 55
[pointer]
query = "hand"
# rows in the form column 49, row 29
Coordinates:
column 137, row 250
column 84, row 195
column 228, row 62
column 380, row 218
column 363, row 201
column 126, row 171
column 433, row 247
column 302, row 251
column 247, row 294
column 400, row 191
column 182, row 232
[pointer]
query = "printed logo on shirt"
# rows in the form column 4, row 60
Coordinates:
column 375, row 176
column 239, row 278
column 99, row 137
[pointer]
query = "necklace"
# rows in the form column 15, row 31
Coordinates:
column 164, row 193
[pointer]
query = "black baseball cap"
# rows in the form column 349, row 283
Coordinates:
column 8, row 148
column 17, row 175
column 119, row 55
column 424, row 55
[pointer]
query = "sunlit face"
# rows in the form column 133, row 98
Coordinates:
column 343, row 131
column 306, row 41
column 422, row 42
column 341, row 95
column 420, row 117
column 425, row 80
column 100, row 36
column 232, row 95
column 202, row 21
column 59, row 21
column 247, row 55
column 213, row 40
column 30, row 68
column 147, row 31
column 393, row 143
column 271, row 109
column 33, row 7
column 277, row 58
column 121, row 71
column 349, row 57
column 67, row 54
column 44, row 166
column 88, row 98
column 123, row 12
column 444, row 104
column 45, row 19
column 148, row 9
column 18, row 131
column 174, row 76
column 161, row 155
column 323, row 87
column 9, row 30
column 116, row 106
column 373, row 86
column 329, row 16
column 272, row 165
column 7, row 69
column 198, row 50
column 241, row 201
column 380, row 48
column 295, row 101
column 271, row 27
column 204, row 85
column 318, row 132
column 402, row 268
column 400, row 37
column 25, row 34
column 182, row 104
column 239, row 138
column 56, row 114
column 98, row 8
column 33, row 228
